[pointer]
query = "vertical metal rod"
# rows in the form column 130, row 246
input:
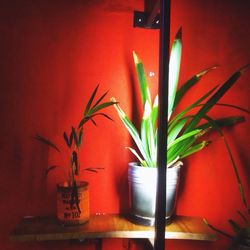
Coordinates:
column 160, row 214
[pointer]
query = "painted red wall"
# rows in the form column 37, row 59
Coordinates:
column 53, row 54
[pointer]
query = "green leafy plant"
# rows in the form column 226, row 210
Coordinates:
column 74, row 139
column 241, row 231
column 187, row 128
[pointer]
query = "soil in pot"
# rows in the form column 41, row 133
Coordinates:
column 68, row 214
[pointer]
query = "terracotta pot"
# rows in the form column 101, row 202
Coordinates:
column 71, row 214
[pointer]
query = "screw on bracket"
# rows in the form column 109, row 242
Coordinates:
column 141, row 18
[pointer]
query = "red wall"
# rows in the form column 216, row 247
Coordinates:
column 53, row 54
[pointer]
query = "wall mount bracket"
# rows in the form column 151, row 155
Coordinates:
column 141, row 20
column 150, row 17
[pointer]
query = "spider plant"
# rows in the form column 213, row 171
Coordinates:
column 186, row 129
column 73, row 140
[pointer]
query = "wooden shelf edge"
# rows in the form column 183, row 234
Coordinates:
column 108, row 226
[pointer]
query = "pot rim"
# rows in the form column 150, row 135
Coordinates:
column 135, row 164
column 64, row 185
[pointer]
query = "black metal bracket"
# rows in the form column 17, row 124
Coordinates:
column 141, row 20
column 150, row 18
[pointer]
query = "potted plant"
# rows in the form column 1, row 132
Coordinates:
column 73, row 194
column 186, row 130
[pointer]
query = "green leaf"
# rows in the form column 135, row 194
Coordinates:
column 93, row 121
column 144, row 90
column 233, row 106
column 73, row 133
column 143, row 163
column 87, row 118
column 215, row 98
column 147, row 132
column 67, row 140
column 177, row 117
column 190, row 83
column 50, row 168
column 134, row 134
column 236, row 228
column 195, row 148
column 243, row 217
column 217, row 230
column 184, row 137
column 103, row 114
column 241, row 190
column 91, row 100
column 154, row 113
column 80, row 137
column 174, row 68
column 99, row 107
column 93, row 169
column 100, row 99
column 178, row 149
column 46, row 141
column 144, row 138
column 224, row 122
column 176, row 129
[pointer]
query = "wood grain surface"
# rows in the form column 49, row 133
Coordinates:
column 107, row 226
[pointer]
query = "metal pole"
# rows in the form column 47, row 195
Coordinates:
column 159, row 242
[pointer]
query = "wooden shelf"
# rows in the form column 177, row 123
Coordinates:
column 107, row 226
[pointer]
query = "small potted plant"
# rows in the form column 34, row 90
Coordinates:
column 73, row 194
column 185, row 134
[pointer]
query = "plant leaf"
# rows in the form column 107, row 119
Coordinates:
column 154, row 113
column 215, row 98
column 184, row 137
column 147, row 132
column 93, row 169
column 74, row 163
column 178, row 149
column 93, row 121
column 74, row 135
column 177, row 117
column 217, row 230
column 190, row 83
column 80, row 137
column 243, row 217
column 99, row 107
column 215, row 126
column 67, row 140
column 236, row 228
column 87, row 118
column 195, row 148
column 176, row 129
column 100, row 99
column 134, row 134
column 233, row 106
column 90, row 100
column 50, row 168
column 143, row 163
column 224, row 122
column 46, row 141
column 174, row 68
column 144, row 90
